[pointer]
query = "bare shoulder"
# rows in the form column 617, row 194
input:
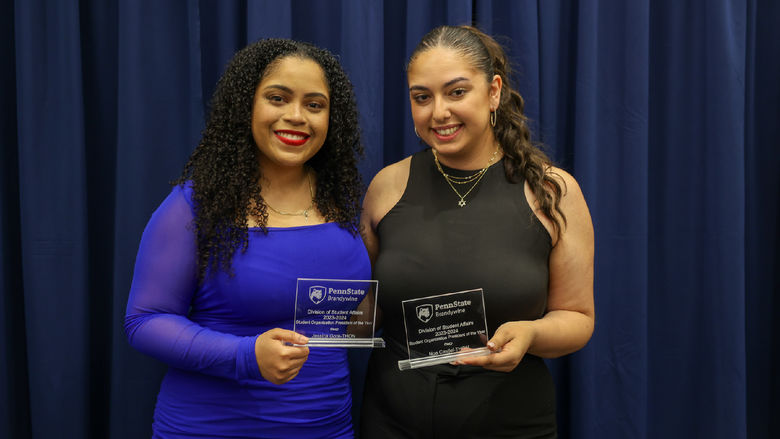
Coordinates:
column 573, row 205
column 386, row 188
column 570, row 189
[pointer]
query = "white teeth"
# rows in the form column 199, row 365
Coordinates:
column 448, row 131
column 291, row 136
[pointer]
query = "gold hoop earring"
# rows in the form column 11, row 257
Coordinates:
column 493, row 117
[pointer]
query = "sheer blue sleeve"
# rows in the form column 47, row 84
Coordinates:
column 164, row 283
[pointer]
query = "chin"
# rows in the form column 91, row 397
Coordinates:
column 449, row 149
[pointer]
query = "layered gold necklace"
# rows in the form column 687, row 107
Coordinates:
column 452, row 180
column 305, row 212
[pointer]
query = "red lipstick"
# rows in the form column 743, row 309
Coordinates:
column 290, row 137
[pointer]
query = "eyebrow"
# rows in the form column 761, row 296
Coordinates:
column 447, row 84
column 289, row 90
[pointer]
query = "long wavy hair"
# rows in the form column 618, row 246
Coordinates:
column 523, row 158
column 224, row 169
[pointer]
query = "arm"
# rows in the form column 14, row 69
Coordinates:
column 164, row 283
column 568, row 324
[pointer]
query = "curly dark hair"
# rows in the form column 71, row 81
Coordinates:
column 522, row 157
column 224, row 169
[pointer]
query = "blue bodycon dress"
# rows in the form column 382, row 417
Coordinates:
column 206, row 333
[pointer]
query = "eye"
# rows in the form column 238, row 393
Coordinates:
column 421, row 98
column 315, row 106
column 275, row 98
column 458, row 92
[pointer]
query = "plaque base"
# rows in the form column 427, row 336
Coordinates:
column 441, row 359
column 314, row 342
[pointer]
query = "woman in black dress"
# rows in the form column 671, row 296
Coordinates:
column 483, row 207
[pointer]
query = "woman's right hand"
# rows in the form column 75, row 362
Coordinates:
column 277, row 360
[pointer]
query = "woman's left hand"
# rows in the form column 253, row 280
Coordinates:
column 509, row 345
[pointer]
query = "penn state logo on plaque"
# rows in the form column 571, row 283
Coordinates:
column 424, row 312
column 317, row 294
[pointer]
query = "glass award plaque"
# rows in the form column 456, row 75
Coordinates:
column 444, row 328
column 337, row 312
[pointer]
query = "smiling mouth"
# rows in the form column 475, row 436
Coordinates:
column 446, row 133
column 294, row 138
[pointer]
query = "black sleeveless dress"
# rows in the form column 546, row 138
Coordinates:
column 429, row 245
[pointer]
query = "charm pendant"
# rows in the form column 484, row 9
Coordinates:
column 453, row 180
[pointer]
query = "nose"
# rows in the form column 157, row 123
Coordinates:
column 441, row 111
column 294, row 114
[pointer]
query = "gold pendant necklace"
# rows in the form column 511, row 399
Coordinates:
column 305, row 212
column 453, row 180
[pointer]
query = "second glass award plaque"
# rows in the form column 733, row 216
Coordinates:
column 444, row 328
column 337, row 312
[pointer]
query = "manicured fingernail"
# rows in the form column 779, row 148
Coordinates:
column 491, row 345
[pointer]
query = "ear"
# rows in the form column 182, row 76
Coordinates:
column 495, row 91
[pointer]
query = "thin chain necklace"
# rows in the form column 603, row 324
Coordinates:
column 305, row 212
column 452, row 180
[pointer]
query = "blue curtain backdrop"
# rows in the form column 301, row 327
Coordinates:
column 666, row 112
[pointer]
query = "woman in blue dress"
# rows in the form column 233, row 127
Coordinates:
column 270, row 194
